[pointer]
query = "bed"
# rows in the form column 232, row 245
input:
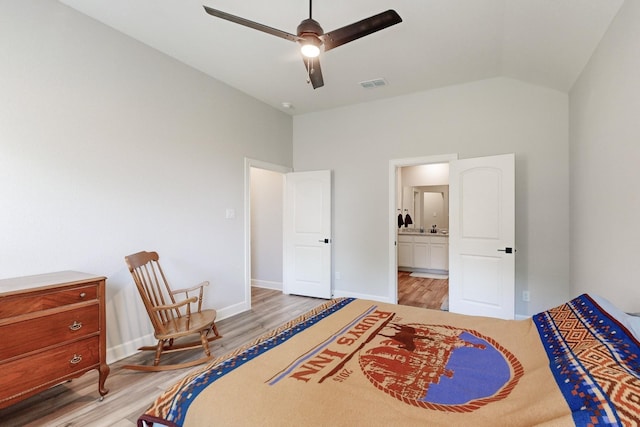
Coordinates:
column 353, row 362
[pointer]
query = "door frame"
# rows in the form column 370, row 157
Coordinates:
column 248, row 164
column 394, row 165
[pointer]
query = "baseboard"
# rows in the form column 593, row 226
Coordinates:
column 266, row 284
column 129, row 348
column 232, row 310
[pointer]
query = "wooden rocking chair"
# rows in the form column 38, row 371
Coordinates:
column 171, row 319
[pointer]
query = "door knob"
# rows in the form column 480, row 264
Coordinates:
column 324, row 240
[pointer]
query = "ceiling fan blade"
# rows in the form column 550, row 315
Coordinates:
column 251, row 24
column 315, row 73
column 359, row 29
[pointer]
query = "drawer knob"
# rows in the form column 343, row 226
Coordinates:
column 77, row 358
column 83, row 294
column 75, row 325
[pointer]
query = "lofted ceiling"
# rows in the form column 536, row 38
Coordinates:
column 439, row 43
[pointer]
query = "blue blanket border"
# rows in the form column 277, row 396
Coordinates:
column 581, row 391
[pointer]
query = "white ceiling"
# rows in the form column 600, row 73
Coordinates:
column 439, row 43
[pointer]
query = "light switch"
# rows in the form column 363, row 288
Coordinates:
column 231, row 213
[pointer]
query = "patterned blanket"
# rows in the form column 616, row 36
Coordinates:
column 356, row 362
column 595, row 362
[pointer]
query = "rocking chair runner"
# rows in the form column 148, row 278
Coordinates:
column 171, row 319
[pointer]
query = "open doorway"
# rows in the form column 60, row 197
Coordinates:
column 412, row 250
column 264, row 190
column 422, row 241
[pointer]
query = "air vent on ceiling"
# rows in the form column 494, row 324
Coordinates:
column 370, row 84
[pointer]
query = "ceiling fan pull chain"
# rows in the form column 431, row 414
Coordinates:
column 310, row 69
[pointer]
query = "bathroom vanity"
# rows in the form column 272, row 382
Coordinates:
column 423, row 251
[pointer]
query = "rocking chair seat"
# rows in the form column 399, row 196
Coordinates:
column 171, row 318
column 197, row 322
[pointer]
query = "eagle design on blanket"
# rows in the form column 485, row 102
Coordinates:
column 418, row 363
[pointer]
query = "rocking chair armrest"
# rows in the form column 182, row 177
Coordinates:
column 176, row 305
column 193, row 288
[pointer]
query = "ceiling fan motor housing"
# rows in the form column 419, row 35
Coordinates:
column 310, row 27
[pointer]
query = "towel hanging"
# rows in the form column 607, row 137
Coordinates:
column 407, row 220
column 400, row 222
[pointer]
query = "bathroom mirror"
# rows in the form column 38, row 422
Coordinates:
column 428, row 205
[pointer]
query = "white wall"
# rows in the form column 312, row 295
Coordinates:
column 266, row 228
column 434, row 174
column 605, row 166
column 477, row 119
column 108, row 147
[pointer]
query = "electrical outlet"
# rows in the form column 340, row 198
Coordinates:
column 525, row 296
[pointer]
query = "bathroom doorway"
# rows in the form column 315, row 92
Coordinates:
column 482, row 242
column 422, row 235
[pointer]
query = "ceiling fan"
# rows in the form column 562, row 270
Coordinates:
column 312, row 37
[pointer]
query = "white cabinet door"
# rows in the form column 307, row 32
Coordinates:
column 405, row 252
column 439, row 256
column 421, row 252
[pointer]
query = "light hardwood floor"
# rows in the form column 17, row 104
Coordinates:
column 419, row 292
column 76, row 403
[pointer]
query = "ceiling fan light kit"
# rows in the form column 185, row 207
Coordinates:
column 310, row 50
column 312, row 37
column 310, row 46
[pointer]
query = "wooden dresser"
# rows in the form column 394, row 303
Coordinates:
column 52, row 329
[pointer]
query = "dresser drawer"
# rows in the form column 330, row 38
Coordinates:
column 48, row 368
column 17, row 304
column 40, row 332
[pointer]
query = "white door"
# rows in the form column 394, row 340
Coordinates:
column 307, row 234
column 482, row 236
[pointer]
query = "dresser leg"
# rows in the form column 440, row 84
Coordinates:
column 104, row 371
